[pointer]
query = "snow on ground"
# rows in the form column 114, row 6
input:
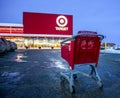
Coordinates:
column 110, row 51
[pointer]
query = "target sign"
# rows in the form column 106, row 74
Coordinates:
column 61, row 21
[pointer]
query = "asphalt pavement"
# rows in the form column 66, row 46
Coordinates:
column 36, row 74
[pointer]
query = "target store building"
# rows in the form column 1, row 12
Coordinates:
column 39, row 30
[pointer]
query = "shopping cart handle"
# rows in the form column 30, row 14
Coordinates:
column 90, row 34
column 67, row 40
column 82, row 34
column 101, row 36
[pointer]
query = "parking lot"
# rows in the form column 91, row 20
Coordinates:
column 36, row 74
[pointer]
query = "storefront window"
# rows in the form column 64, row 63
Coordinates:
column 30, row 42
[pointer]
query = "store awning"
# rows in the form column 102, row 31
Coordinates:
column 35, row 35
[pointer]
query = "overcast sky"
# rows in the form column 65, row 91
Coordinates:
column 102, row 16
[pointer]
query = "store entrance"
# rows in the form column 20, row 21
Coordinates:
column 28, row 43
column 44, row 43
column 36, row 42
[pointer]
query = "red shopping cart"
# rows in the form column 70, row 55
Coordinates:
column 81, row 49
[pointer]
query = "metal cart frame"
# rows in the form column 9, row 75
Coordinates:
column 83, row 48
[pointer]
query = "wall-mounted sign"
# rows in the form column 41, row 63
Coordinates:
column 43, row 23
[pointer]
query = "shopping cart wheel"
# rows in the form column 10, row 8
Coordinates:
column 72, row 89
column 74, row 76
column 62, row 78
column 100, row 85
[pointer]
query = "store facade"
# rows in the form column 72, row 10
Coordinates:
column 39, row 30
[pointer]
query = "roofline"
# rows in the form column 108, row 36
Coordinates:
column 11, row 24
column 35, row 35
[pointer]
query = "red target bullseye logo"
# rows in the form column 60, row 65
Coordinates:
column 61, row 21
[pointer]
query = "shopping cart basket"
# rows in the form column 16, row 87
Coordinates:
column 82, row 49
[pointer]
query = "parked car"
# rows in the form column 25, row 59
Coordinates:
column 6, row 43
column 102, row 48
column 13, row 46
column 118, row 48
column 2, row 46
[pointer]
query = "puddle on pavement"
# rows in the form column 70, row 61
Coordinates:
column 20, row 57
column 11, row 77
column 52, row 64
column 12, row 74
column 17, row 58
column 60, row 65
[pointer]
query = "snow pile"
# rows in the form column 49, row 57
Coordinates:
column 110, row 51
